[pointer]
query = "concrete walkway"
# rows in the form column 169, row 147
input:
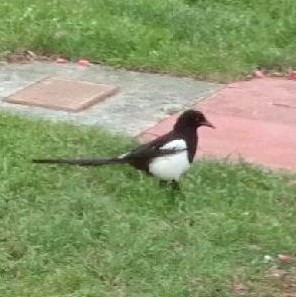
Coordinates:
column 256, row 120
column 142, row 101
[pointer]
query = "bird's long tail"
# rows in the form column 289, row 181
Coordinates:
column 82, row 162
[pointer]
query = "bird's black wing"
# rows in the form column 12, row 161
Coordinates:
column 152, row 148
column 141, row 156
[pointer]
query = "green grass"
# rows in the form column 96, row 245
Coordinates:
column 206, row 39
column 114, row 232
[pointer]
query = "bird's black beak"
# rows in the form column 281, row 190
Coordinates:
column 208, row 124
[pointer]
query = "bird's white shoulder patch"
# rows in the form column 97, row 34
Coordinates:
column 178, row 144
column 171, row 167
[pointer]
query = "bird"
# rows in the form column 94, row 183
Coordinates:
column 167, row 157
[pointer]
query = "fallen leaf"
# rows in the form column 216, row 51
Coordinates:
column 239, row 288
column 258, row 74
column 285, row 258
column 83, row 62
column 61, row 60
column 292, row 74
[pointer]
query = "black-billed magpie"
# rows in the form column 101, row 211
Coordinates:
column 167, row 157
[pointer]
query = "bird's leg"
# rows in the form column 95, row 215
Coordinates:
column 175, row 185
column 162, row 183
column 174, row 189
column 178, row 196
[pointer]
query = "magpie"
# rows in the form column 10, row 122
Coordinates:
column 167, row 157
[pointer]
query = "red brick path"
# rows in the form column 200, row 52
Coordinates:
column 255, row 120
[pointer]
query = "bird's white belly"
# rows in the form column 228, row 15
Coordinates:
column 170, row 167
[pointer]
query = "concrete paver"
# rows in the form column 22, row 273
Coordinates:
column 62, row 94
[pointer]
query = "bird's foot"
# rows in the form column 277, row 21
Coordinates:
column 174, row 185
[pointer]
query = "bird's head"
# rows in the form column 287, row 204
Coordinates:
column 192, row 119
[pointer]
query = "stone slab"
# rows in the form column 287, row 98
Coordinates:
column 62, row 94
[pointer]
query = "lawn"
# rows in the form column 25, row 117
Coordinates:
column 205, row 39
column 112, row 231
